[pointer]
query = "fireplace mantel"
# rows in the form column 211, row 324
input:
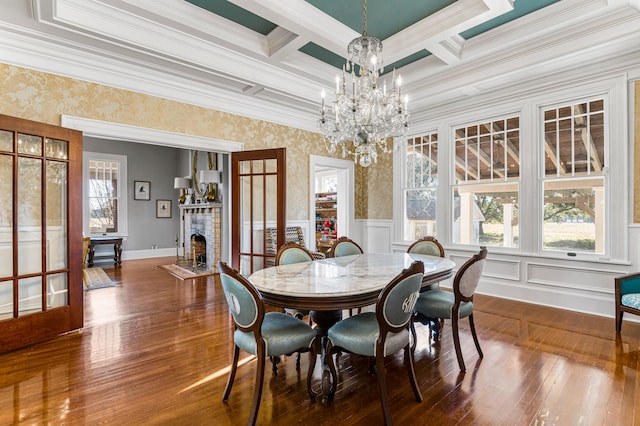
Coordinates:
column 200, row 208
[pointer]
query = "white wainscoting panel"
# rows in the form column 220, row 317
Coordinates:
column 376, row 236
column 594, row 278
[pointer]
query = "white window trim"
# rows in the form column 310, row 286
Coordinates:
column 123, row 229
column 529, row 107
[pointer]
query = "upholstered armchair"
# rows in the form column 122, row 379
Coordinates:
column 627, row 293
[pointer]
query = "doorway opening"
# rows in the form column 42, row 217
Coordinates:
column 333, row 179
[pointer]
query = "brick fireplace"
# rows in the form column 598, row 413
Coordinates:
column 204, row 220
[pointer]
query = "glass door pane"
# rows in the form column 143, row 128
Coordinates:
column 30, row 215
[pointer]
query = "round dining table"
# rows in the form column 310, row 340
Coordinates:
column 327, row 286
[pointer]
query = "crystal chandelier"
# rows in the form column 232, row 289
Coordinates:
column 368, row 114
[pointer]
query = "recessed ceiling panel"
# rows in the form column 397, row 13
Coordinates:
column 406, row 61
column 323, row 54
column 384, row 18
column 236, row 14
column 520, row 8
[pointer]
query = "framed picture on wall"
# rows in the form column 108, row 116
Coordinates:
column 163, row 208
column 141, row 190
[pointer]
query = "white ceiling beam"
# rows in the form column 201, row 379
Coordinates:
column 281, row 43
column 442, row 25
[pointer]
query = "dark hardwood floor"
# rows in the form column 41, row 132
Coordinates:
column 155, row 350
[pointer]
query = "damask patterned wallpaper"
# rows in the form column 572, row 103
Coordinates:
column 45, row 97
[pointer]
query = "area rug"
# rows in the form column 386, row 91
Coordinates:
column 95, row 278
column 184, row 273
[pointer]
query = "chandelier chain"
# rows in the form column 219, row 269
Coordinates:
column 364, row 18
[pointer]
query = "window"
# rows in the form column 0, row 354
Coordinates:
column 574, row 178
column 487, row 173
column 421, row 182
column 105, row 192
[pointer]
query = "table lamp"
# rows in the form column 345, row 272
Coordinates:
column 181, row 183
column 210, row 177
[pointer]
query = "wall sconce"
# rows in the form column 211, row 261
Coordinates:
column 210, row 177
column 181, row 183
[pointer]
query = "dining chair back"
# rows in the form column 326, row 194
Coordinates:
column 344, row 246
column 261, row 334
column 456, row 305
column 383, row 332
column 627, row 294
column 427, row 245
column 292, row 253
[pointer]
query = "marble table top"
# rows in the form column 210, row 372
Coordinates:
column 341, row 282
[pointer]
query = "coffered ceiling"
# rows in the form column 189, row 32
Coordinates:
column 269, row 59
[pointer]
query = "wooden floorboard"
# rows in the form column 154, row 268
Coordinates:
column 156, row 350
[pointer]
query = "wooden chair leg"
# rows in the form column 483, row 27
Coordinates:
column 475, row 336
column 382, row 388
column 312, row 365
column 414, row 336
column 332, row 368
column 456, row 342
column 408, row 360
column 619, row 314
column 257, row 391
column 232, row 373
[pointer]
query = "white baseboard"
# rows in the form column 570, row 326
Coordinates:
column 149, row 253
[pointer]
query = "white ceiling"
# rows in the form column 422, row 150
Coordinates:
column 173, row 49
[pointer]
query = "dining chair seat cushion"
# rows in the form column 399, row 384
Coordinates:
column 282, row 333
column 358, row 334
column 438, row 304
column 631, row 300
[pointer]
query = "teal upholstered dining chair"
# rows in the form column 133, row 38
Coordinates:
column 344, row 246
column 456, row 305
column 383, row 332
column 428, row 246
column 627, row 293
column 261, row 334
column 293, row 253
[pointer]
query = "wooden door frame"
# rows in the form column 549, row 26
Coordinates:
column 21, row 331
column 279, row 154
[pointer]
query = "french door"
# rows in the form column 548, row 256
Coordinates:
column 258, row 201
column 40, row 232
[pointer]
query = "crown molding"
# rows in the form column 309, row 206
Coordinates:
column 124, row 132
column 55, row 58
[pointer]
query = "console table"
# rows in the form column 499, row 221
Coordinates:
column 117, row 249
